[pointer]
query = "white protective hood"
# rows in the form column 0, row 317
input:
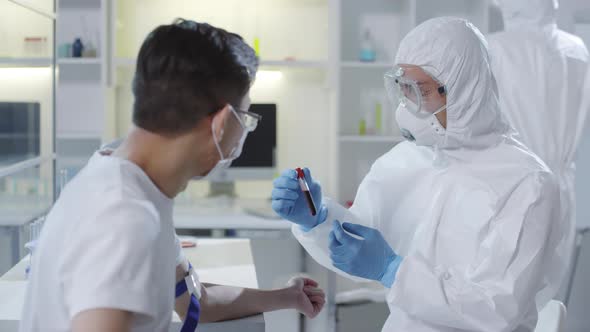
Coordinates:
column 476, row 233
column 517, row 13
column 461, row 63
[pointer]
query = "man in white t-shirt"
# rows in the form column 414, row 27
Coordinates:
column 108, row 258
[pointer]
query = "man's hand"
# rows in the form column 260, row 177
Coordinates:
column 306, row 296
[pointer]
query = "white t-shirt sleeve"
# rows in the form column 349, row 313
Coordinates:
column 180, row 257
column 111, row 260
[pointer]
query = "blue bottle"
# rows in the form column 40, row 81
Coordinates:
column 77, row 48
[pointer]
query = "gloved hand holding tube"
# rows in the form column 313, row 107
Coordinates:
column 291, row 202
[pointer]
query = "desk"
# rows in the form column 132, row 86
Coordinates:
column 227, row 214
column 277, row 255
column 238, row 270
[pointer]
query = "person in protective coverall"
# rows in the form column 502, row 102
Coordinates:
column 458, row 222
column 542, row 74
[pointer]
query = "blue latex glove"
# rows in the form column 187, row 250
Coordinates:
column 367, row 255
column 288, row 201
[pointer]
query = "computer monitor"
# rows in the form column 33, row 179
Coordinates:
column 258, row 158
column 20, row 130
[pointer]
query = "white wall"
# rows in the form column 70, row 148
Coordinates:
column 17, row 23
column 293, row 28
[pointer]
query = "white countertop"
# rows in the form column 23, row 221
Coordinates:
column 220, row 261
column 18, row 211
column 245, row 214
column 251, row 214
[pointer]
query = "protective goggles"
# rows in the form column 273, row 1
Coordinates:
column 421, row 98
column 248, row 120
column 235, row 130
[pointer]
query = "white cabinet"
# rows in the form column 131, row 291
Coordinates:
column 82, row 88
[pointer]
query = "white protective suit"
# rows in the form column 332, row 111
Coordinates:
column 541, row 73
column 473, row 220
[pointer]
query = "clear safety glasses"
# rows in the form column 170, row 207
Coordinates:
column 235, row 129
column 420, row 98
column 248, row 120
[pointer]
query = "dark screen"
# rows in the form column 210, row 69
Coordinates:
column 19, row 129
column 259, row 148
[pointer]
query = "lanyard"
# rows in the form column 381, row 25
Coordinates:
column 194, row 309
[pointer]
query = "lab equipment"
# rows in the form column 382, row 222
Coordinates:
column 546, row 100
column 305, row 189
column 378, row 118
column 362, row 127
column 258, row 158
column 256, row 46
column 371, row 105
column 367, row 51
column 366, row 255
column 289, row 202
column 368, row 114
column 77, row 48
column 89, row 50
column 64, row 50
column 473, row 219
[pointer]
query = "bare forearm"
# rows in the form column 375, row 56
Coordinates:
column 219, row 302
column 228, row 302
column 102, row 320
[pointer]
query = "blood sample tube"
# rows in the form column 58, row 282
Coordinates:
column 305, row 188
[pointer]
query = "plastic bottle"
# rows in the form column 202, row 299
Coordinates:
column 257, row 46
column 367, row 53
column 378, row 118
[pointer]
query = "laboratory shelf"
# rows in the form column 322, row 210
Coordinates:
column 25, row 62
column 78, row 61
column 359, row 64
column 13, row 168
column 122, row 62
column 370, row 139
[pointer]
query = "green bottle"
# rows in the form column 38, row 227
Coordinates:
column 378, row 119
column 257, row 46
column 362, row 127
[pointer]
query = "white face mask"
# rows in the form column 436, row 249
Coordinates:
column 426, row 131
column 239, row 131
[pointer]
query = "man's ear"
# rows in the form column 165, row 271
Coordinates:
column 218, row 119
